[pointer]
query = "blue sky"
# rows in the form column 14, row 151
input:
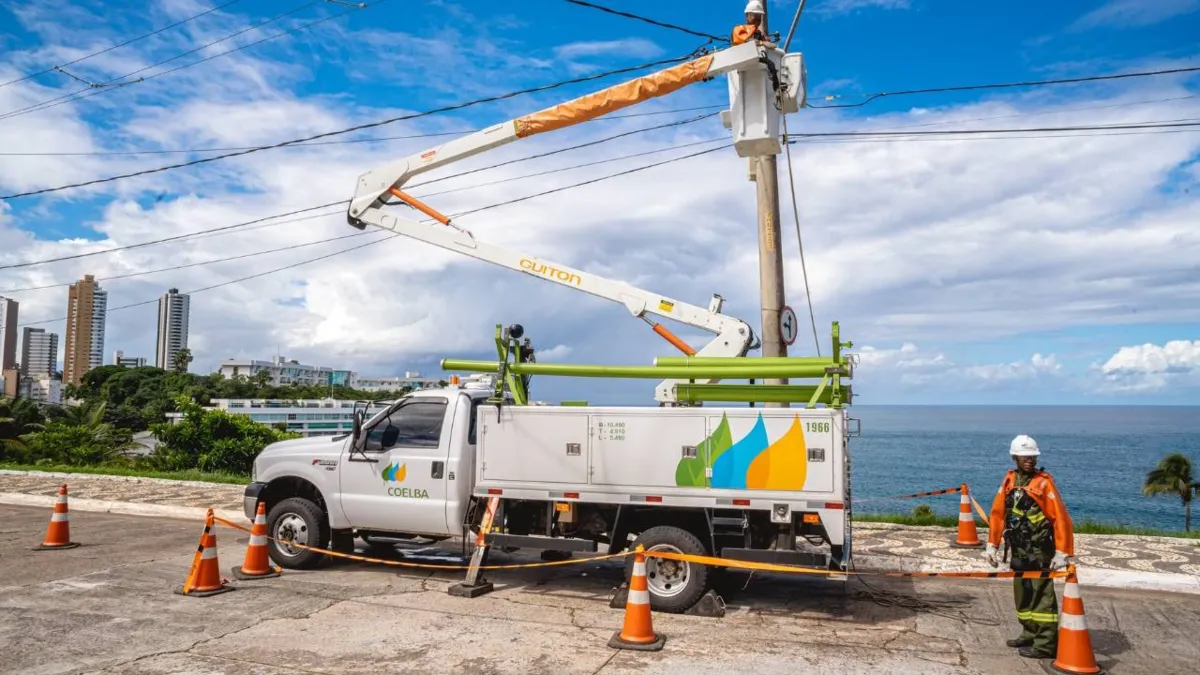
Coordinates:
column 1037, row 270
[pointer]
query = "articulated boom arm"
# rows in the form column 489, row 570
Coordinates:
column 763, row 84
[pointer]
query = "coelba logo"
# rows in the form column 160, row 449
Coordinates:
column 393, row 473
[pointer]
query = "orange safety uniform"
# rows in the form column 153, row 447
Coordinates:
column 1045, row 494
column 745, row 33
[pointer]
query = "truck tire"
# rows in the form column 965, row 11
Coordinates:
column 302, row 521
column 674, row 585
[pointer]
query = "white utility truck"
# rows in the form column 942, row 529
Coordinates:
column 739, row 483
column 473, row 461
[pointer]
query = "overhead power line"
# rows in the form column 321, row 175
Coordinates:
column 377, row 139
column 637, row 17
column 394, row 235
column 360, row 127
column 116, row 82
column 118, row 45
column 1004, row 85
column 1166, row 124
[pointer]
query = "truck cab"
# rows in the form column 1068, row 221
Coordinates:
column 410, row 466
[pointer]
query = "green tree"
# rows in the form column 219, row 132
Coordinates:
column 183, row 357
column 211, row 440
column 78, row 436
column 18, row 417
column 1173, row 476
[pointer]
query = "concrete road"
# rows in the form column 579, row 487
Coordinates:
column 108, row 607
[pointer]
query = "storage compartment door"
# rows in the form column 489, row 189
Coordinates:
column 533, row 446
column 647, row 450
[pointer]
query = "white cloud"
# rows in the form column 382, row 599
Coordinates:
column 909, row 243
column 1128, row 13
column 635, row 47
column 1151, row 367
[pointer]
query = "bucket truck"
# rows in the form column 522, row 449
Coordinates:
column 464, row 461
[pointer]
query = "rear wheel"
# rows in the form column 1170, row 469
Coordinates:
column 674, row 585
column 301, row 521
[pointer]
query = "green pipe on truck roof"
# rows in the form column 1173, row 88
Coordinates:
column 754, row 393
column 730, row 361
column 743, row 372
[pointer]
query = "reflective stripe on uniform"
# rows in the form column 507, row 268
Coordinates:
column 1043, row 617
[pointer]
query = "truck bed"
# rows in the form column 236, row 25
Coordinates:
column 752, row 458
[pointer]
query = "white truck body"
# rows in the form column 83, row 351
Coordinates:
column 743, row 483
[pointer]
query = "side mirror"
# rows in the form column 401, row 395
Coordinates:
column 358, row 422
column 390, row 435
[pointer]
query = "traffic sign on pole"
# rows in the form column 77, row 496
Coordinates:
column 788, row 326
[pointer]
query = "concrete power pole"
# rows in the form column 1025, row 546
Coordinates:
column 770, row 255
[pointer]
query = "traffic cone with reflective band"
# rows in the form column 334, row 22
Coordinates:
column 257, row 564
column 968, row 536
column 204, row 578
column 1075, row 653
column 638, row 630
column 58, row 535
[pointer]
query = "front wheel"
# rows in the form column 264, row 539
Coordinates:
column 674, row 585
column 301, row 521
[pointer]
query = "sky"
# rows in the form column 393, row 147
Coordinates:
column 1035, row 268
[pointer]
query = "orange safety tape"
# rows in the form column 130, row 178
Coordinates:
column 947, row 491
column 685, row 557
column 979, row 509
column 438, row 566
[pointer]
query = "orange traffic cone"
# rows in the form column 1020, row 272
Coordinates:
column 58, row 535
column 204, row 578
column 968, row 536
column 638, row 631
column 257, row 564
column 1074, row 641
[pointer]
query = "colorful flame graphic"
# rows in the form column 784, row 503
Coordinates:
column 394, row 474
column 753, row 462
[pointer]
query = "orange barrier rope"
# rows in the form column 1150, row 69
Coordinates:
column 698, row 559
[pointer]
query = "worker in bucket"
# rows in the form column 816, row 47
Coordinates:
column 1029, row 516
column 753, row 27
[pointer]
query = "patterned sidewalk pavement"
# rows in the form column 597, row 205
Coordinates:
column 1114, row 552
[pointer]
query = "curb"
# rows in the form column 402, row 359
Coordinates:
column 123, row 508
column 113, row 477
column 1099, row 577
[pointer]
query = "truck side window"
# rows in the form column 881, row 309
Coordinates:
column 417, row 424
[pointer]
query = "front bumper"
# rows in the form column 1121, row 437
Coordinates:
column 250, row 499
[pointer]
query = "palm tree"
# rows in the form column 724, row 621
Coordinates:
column 1173, row 476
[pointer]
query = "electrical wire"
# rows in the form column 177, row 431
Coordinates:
column 393, row 236
column 360, row 127
column 1004, row 85
column 792, row 31
column 1164, row 124
column 800, row 239
column 376, row 139
column 122, row 44
column 116, row 84
column 194, row 264
column 648, row 20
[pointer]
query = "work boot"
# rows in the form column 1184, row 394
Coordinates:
column 1031, row 653
column 1018, row 642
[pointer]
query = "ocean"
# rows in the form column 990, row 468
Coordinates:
column 1098, row 455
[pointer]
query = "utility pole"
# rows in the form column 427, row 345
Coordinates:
column 770, row 254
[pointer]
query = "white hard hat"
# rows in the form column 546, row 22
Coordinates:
column 1024, row 446
column 755, row 7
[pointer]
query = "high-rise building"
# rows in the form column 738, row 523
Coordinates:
column 173, row 309
column 8, row 334
column 87, row 306
column 39, row 352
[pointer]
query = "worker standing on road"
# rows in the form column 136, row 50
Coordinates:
column 1029, row 515
column 753, row 27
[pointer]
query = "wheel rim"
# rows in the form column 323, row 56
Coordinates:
column 667, row 578
column 291, row 526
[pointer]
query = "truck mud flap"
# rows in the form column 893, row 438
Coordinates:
column 541, row 543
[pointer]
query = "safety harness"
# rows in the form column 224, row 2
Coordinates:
column 1028, row 534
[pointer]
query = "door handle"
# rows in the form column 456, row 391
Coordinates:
column 438, row 468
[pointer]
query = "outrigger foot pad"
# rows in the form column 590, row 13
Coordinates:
column 464, row 591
